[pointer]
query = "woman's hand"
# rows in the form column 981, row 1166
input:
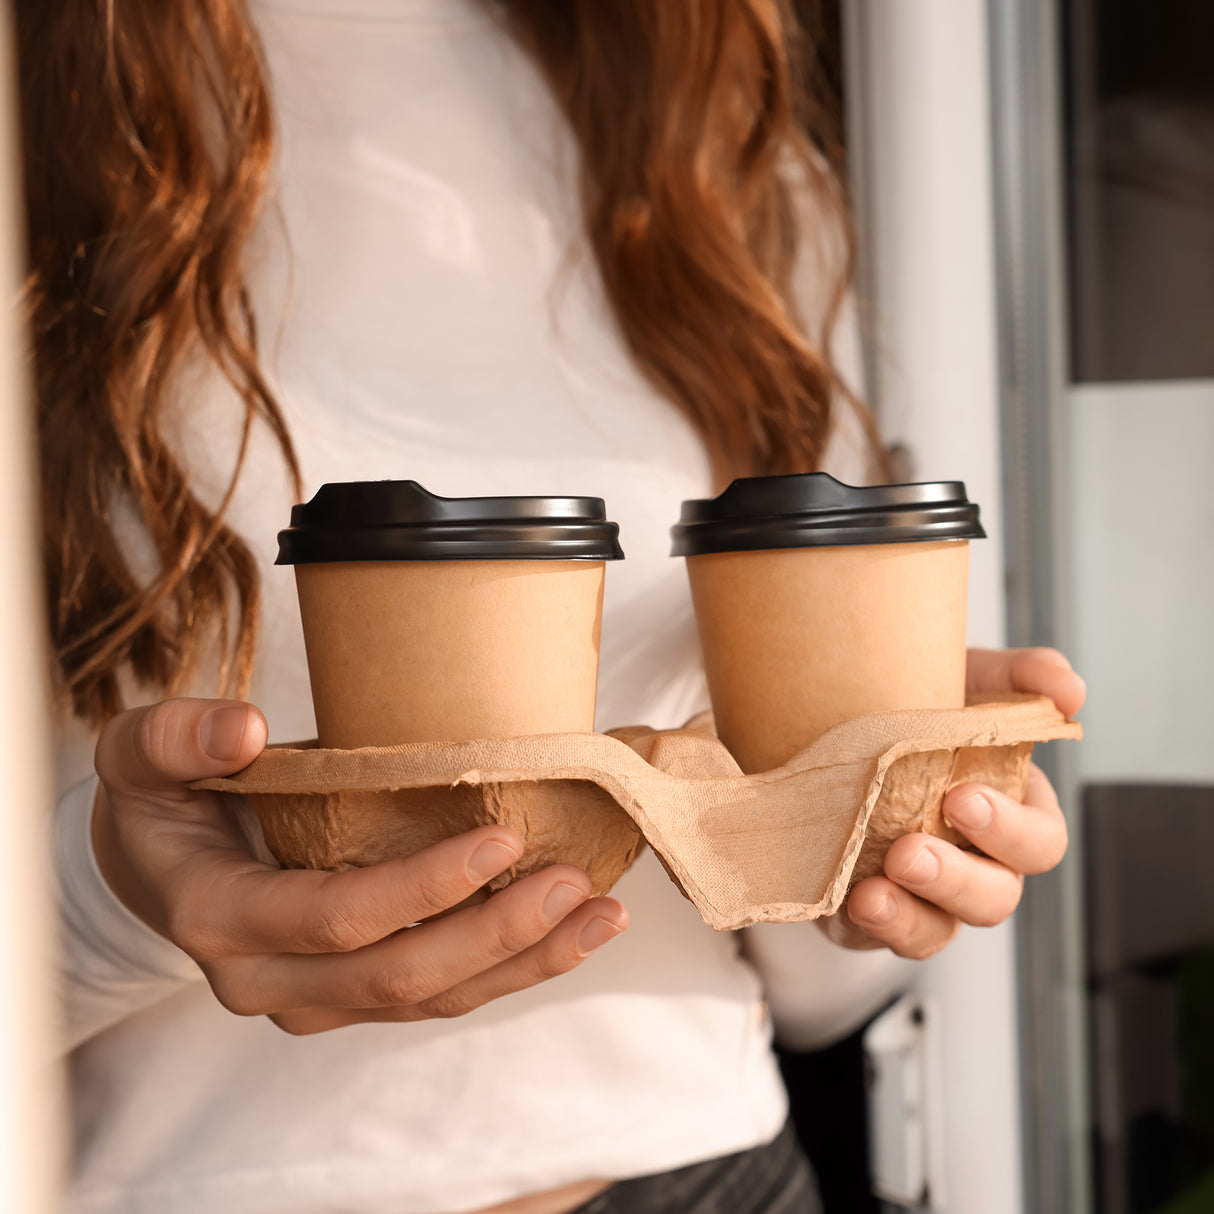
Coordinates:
column 317, row 950
column 931, row 887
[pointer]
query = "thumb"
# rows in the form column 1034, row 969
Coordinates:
column 158, row 748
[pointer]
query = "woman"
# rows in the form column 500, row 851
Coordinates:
column 532, row 247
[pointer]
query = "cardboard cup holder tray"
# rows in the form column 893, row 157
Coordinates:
column 780, row 846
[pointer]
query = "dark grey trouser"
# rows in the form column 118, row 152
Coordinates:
column 774, row 1179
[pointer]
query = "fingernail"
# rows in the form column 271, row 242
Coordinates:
column 886, row 911
column 972, row 813
column 922, row 869
column 223, row 732
column 595, row 934
column 562, row 898
column 490, row 859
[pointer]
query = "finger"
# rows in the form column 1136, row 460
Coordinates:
column 304, row 1021
column 226, row 904
column 416, row 965
column 579, row 935
column 840, row 930
column 974, row 889
column 904, row 923
column 430, row 959
column 1028, row 836
column 157, row 749
column 1037, row 671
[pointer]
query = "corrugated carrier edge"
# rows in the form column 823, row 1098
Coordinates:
column 780, row 846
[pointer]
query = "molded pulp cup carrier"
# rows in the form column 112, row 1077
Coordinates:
column 818, row 602
column 440, row 619
column 823, row 609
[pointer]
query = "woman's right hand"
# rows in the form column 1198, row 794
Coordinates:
column 319, row 950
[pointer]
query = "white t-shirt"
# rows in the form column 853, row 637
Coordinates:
column 436, row 318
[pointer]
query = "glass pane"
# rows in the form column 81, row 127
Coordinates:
column 1139, row 588
column 1140, row 168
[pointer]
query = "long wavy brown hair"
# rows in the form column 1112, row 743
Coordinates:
column 148, row 144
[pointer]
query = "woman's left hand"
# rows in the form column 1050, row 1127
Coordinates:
column 930, row 887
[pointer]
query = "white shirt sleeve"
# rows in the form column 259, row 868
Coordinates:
column 817, row 992
column 113, row 963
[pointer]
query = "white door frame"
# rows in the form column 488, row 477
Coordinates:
column 920, row 140
column 30, row 1093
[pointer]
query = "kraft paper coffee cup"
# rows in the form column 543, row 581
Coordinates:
column 817, row 602
column 430, row 619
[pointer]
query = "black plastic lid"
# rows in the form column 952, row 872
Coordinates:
column 401, row 521
column 813, row 510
